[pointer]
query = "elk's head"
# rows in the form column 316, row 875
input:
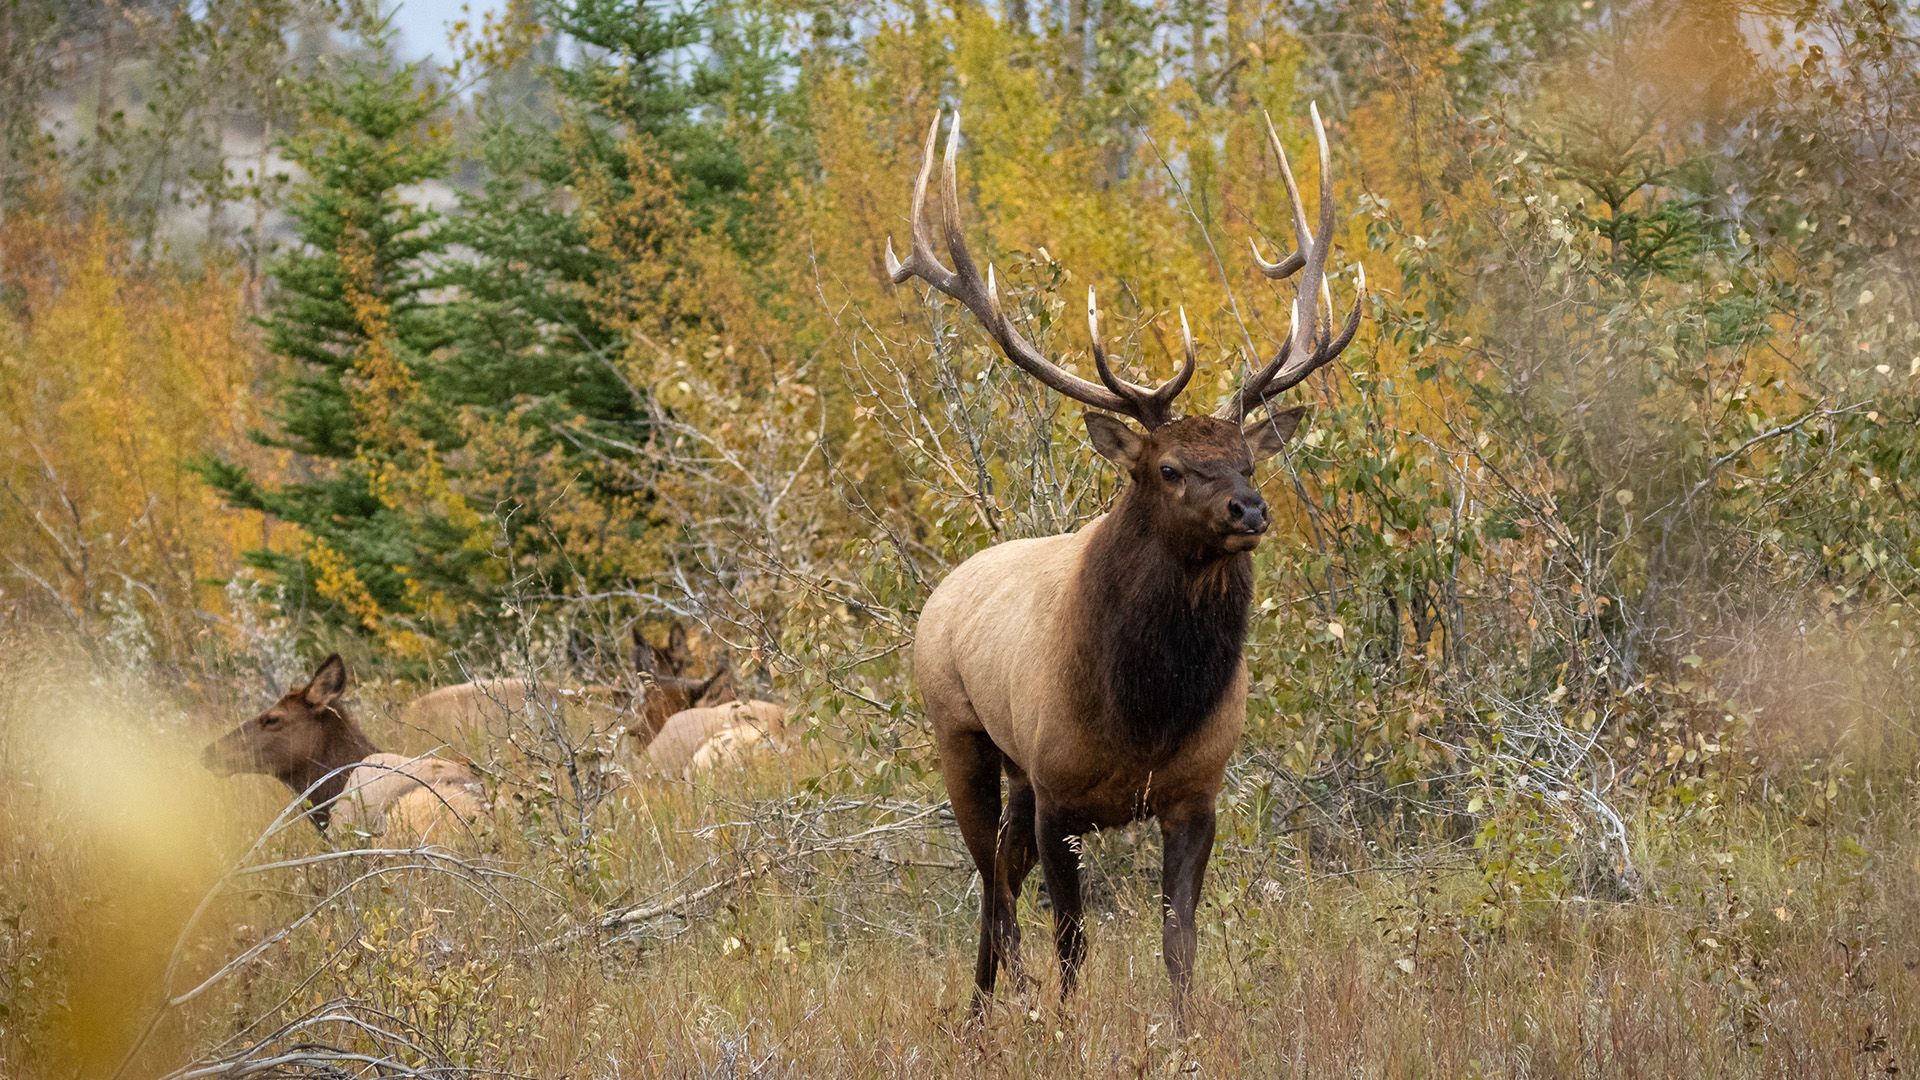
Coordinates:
column 299, row 739
column 1195, row 474
column 669, row 688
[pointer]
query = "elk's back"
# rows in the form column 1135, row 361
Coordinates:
column 419, row 796
column 472, row 710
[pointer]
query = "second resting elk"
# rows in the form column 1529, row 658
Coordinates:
column 1102, row 671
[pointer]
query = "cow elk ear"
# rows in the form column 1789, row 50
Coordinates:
column 717, row 690
column 678, row 654
column 1114, row 440
column 1267, row 436
column 643, row 658
column 328, row 683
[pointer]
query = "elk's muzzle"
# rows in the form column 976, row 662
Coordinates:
column 1248, row 515
column 220, row 759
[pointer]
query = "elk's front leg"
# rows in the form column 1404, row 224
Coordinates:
column 1186, row 838
column 1056, row 835
column 1012, row 862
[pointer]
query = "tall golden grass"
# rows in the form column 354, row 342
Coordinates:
column 1777, row 935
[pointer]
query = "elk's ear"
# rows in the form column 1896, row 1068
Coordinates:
column 643, row 659
column 328, row 683
column 1114, row 440
column 1266, row 437
column 717, row 690
column 677, row 652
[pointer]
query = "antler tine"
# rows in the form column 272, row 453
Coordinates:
column 1314, row 273
column 956, row 238
column 1270, row 383
column 1303, row 354
column 1106, row 374
column 1279, row 271
column 1252, row 391
column 963, row 282
column 1172, row 388
column 1323, row 356
column 1154, row 407
column 1303, row 236
column 921, row 261
column 1338, row 345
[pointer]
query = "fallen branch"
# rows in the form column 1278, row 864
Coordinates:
column 644, row 912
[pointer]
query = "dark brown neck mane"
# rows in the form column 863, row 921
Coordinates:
column 345, row 746
column 1161, row 631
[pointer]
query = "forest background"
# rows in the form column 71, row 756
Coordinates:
column 1588, row 587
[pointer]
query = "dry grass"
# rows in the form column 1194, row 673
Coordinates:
column 1768, row 941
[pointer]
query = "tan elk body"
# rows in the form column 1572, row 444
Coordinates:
column 697, row 741
column 418, row 798
column 1008, row 639
column 1102, row 672
column 453, row 713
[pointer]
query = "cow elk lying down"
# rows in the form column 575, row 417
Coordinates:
column 486, row 712
column 308, row 742
column 1102, row 671
column 698, row 741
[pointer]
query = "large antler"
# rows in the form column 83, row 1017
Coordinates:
column 1151, row 408
column 1313, row 351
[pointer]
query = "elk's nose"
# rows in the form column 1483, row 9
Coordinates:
column 1249, row 514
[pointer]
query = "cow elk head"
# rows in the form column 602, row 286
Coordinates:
column 669, row 688
column 299, row 728
column 305, row 740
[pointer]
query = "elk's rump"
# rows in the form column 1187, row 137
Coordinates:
column 694, row 740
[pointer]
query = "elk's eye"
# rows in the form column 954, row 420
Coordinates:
column 1169, row 473
column 269, row 721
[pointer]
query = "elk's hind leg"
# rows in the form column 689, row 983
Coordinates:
column 971, row 764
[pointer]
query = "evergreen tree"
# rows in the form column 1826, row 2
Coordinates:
column 385, row 537
column 536, row 349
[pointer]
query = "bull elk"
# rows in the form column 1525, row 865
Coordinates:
column 308, row 742
column 1103, row 671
